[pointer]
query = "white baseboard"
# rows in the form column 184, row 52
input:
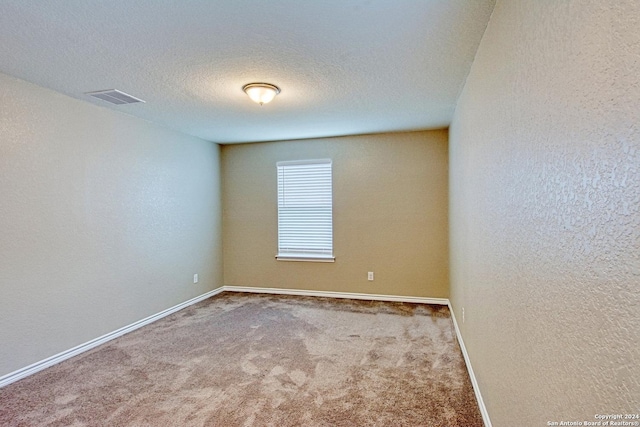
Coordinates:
column 50, row 361
column 472, row 376
column 331, row 294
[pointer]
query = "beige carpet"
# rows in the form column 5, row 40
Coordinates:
column 260, row 360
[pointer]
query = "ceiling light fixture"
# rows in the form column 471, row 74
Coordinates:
column 262, row 93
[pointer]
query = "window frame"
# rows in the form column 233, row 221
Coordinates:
column 281, row 199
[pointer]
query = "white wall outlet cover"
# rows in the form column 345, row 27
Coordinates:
column 370, row 275
column 195, row 278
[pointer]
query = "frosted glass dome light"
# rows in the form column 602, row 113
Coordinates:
column 261, row 93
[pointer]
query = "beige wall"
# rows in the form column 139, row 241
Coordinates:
column 390, row 215
column 104, row 219
column 545, row 211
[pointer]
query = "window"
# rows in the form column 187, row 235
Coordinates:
column 305, row 219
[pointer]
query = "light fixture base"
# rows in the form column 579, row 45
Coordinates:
column 261, row 93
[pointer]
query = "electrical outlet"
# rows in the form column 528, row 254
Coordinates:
column 462, row 314
column 370, row 276
column 195, row 278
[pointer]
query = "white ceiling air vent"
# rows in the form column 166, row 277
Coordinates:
column 114, row 96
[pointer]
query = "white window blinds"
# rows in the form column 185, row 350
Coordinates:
column 305, row 224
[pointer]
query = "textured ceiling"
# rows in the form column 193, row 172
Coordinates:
column 344, row 67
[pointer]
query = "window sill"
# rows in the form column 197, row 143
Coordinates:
column 306, row 258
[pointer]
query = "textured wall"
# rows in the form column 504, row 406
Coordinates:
column 103, row 221
column 545, row 211
column 389, row 217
